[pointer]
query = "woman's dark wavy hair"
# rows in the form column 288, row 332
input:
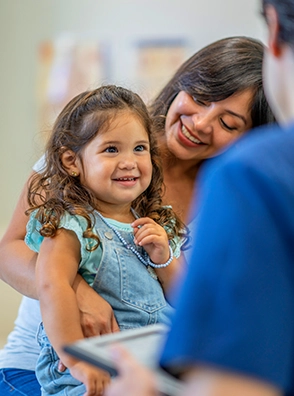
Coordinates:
column 54, row 191
column 214, row 73
column 285, row 11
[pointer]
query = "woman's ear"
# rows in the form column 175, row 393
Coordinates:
column 274, row 44
column 69, row 162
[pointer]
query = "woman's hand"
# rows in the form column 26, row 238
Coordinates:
column 96, row 314
column 133, row 379
column 98, row 318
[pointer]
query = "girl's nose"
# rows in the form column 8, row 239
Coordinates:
column 127, row 163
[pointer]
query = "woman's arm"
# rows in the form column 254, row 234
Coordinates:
column 17, row 261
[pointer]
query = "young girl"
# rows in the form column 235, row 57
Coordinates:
column 96, row 208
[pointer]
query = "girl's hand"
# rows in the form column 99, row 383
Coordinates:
column 153, row 238
column 95, row 380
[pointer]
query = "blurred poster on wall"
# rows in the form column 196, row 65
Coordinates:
column 66, row 67
column 157, row 61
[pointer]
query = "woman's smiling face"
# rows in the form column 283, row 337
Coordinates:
column 198, row 130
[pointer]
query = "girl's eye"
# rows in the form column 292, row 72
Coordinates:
column 140, row 148
column 111, row 149
column 227, row 126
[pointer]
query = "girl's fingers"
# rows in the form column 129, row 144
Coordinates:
column 149, row 229
column 142, row 221
column 150, row 239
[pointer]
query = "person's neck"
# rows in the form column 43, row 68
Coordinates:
column 177, row 167
column 179, row 180
column 121, row 213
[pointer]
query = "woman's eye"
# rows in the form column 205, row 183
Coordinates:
column 227, row 126
column 111, row 149
column 140, row 148
column 200, row 102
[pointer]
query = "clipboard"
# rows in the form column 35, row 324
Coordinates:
column 144, row 343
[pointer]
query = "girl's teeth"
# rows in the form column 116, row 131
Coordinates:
column 189, row 136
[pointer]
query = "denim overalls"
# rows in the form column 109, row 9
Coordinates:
column 132, row 290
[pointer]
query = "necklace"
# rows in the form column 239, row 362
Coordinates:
column 146, row 259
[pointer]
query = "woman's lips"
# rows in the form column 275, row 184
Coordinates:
column 189, row 136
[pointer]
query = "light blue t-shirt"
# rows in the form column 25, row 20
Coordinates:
column 89, row 259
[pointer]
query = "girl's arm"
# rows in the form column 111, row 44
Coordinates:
column 56, row 269
column 167, row 275
column 17, row 268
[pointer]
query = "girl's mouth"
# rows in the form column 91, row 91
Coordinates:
column 126, row 181
column 126, row 178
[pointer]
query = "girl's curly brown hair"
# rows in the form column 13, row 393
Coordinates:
column 53, row 191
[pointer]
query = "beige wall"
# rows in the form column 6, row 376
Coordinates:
column 24, row 24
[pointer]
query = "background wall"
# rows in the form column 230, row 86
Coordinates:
column 120, row 23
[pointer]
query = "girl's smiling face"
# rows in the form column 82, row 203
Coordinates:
column 196, row 130
column 116, row 165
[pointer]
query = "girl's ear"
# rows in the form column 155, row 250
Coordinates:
column 272, row 19
column 69, row 162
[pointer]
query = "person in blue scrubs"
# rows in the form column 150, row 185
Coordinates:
column 233, row 332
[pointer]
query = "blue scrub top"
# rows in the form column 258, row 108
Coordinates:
column 236, row 308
